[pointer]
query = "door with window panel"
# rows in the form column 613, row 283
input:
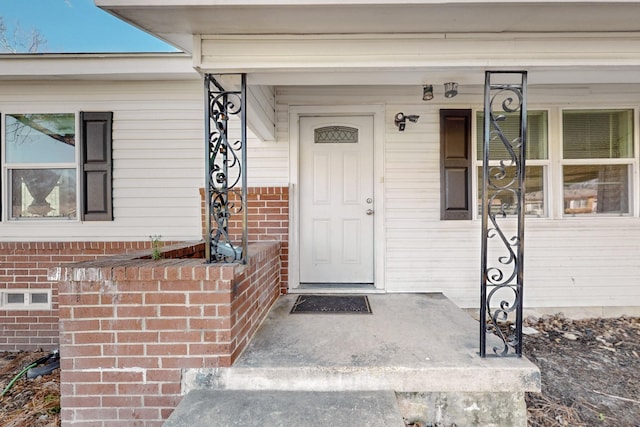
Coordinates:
column 336, row 200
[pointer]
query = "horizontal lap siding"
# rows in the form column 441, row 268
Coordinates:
column 157, row 156
column 589, row 262
column 158, row 166
column 568, row 262
column 267, row 162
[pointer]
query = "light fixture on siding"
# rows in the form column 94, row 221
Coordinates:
column 427, row 92
column 450, row 89
column 401, row 120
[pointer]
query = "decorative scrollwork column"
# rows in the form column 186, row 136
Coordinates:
column 226, row 161
column 503, row 198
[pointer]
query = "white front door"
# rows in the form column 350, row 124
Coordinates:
column 336, row 200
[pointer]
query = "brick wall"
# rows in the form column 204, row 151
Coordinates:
column 23, row 265
column 268, row 218
column 129, row 326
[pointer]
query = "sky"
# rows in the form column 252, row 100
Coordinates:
column 77, row 26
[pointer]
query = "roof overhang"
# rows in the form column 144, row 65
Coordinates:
column 410, row 59
column 116, row 66
column 176, row 21
column 398, row 42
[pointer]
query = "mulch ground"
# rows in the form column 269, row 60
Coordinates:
column 29, row 402
column 590, row 372
column 590, row 377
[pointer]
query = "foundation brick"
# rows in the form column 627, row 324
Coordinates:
column 180, row 311
column 93, row 338
column 121, row 401
column 171, row 376
column 81, row 363
column 139, row 362
column 166, row 324
column 139, row 389
column 180, row 337
column 122, row 376
column 123, row 350
column 92, row 389
column 136, row 311
column 164, row 298
column 166, row 349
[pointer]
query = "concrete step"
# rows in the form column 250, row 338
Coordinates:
column 515, row 378
column 416, row 352
column 206, row 408
column 411, row 343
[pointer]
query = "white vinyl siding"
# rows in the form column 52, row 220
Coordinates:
column 158, row 156
column 158, row 164
column 158, row 159
column 568, row 261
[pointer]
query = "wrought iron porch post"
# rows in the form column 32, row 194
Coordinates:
column 503, row 202
column 226, row 160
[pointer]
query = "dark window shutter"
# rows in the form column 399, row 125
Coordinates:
column 455, row 164
column 96, row 166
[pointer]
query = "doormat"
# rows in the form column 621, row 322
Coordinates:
column 342, row 304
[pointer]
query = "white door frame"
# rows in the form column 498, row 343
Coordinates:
column 378, row 113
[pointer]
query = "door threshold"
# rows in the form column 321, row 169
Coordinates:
column 336, row 288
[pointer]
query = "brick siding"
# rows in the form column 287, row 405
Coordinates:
column 129, row 326
column 24, row 265
column 268, row 219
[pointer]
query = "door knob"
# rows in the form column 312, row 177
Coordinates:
column 369, row 211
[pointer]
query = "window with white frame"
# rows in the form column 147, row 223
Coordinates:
column 56, row 166
column 597, row 161
column 596, row 164
column 537, row 160
column 40, row 162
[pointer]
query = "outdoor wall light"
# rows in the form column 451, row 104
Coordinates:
column 450, row 89
column 427, row 92
column 401, row 120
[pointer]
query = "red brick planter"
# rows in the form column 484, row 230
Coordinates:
column 129, row 326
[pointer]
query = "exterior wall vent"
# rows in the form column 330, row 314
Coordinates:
column 25, row 299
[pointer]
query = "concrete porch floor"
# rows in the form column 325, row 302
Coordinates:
column 416, row 345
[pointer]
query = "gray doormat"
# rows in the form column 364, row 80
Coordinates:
column 343, row 304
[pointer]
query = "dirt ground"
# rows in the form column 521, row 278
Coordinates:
column 590, row 377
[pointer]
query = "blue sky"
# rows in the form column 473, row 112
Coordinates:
column 72, row 26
